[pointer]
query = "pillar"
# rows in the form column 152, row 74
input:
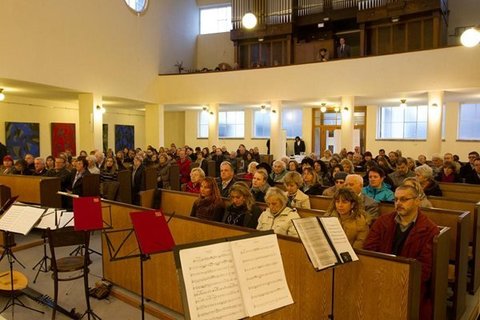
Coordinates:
column 278, row 137
column 154, row 125
column 434, row 128
column 347, row 136
column 213, row 140
column 90, row 121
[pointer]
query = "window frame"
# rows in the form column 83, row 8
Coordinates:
column 214, row 7
column 459, row 121
column 200, row 124
column 242, row 136
column 284, row 112
column 265, row 114
column 380, row 123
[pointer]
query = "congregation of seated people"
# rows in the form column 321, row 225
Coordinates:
column 267, row 196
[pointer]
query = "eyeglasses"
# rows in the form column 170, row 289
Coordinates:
column 403, row 200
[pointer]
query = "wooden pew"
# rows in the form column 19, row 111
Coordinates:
column 181, row 203
column 91, row 185
column 311, row 290
column 474, row 239
column 460, row 191
column 150, row 178
column 267, row 158
column 174, row 177
column 35, row 190
column 459, row 223
column 124, row 177
column 212, row 169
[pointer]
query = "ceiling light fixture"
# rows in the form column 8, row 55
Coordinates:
column 336, row 109
column 323, row 108
column 249, row 20
column 345, row 108
column 263, row 109
column 403, row 103
column 2, row 95
column 470, row 37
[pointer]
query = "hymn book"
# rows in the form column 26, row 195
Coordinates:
column 325, row 241
column 232, row 279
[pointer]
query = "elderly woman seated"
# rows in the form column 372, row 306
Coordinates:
column 196, row 177
column 279, row 170
column 296, row 198
column 346, row 205
column 278, row 217
column 413, row 182
column 424, row 176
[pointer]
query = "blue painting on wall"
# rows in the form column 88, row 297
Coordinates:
column 22, row 138
column 124, row 137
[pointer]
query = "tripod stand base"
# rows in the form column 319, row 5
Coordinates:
column 15, row 301
column 89, row 314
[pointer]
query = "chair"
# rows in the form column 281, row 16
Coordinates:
column 65, row 237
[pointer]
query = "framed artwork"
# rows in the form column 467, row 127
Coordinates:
column 22, row 138
column 63, row 138
column 105, row 137
column 124, row 137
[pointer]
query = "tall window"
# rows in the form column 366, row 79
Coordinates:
column 138, row 6
column 261, row 124
column 292, row 122
column 231, row 124
column 403, row 123
column 202, row 128
column 214, row 20
column 469, row 117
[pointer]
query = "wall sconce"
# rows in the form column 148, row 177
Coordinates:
column 211, row 113
column 101, row 109
column 395, row 19
column 470, row 37
column 337, row 109
column 204, row 109
column 2, row 95
column 263, row 109
column 274, row 111
column 435, row 105
column 323, row 108
column 403, row 103
column 249, row 20
column 345, row 108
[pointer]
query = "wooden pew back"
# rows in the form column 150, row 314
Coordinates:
column 125, row 189
column 441, row 245
column 461, row 191
column 310, row 290
column 33, row 189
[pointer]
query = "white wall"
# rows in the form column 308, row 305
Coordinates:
column 213, row 49
column 96, row 46
column 45, row 112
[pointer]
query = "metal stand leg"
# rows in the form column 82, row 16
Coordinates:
column 42, row 264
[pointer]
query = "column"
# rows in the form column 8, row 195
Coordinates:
column 434, row 128
column 347, row 107
column 278, row 137
column 90, row 121
column 154, row 125
column 213, row 125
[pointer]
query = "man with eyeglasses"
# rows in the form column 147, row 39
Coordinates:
column 407, row 232
column 468, row 168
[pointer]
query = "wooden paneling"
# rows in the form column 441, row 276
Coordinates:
column 36, row 190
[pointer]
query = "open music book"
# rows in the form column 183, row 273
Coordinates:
column 232, row 278
column 55, row 218
column 20, row 218
column 325, row 241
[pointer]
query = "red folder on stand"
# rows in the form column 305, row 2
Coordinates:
column 87, row 213
column 152, row 231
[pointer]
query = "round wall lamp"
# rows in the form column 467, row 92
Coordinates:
column 2, row 95
column 470, row 37
column 249, row 20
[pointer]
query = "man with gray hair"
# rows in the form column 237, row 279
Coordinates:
column 39, row 165
column 100, row 157
column 355, row 182
column 227, row 178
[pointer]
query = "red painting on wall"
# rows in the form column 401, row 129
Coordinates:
column 63, row 138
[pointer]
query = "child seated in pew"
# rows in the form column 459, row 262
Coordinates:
column 347, row 207
column 242, row 211
column 209, row 205
column 296, row 198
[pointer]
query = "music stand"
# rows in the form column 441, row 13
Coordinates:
column 9, row 225
column 153, row 236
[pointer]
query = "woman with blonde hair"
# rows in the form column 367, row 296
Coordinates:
column 242, row 211
column 296, row 198
column 278, row 217
column 346, row 205
column 196, row 177
column 413, row 182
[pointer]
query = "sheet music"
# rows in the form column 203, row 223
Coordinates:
column 337, row 236
column 20, row 219
column 66, row 219
column 211, row 282
column 315, row 243
column 261, row 274
column 48, row 219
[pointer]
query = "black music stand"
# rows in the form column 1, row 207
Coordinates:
column 9, row 243
column 152, row 236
